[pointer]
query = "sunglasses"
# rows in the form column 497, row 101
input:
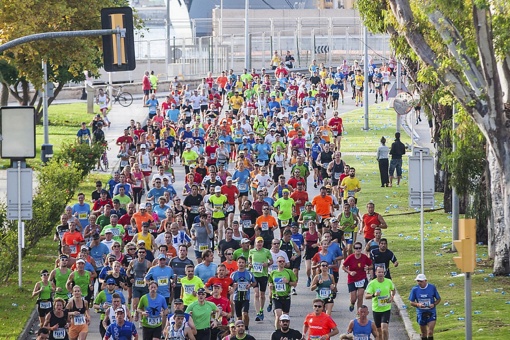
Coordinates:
column 131, row 249
column 115, row 246
column 324, row 265
column 357, row 248
column 281, row 261
column 141, row 252
column 228, row 254
column 317, row 306
column 46, row 274
column 265, row 209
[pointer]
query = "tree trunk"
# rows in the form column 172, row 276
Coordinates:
column 499, row 239
column 4, row 95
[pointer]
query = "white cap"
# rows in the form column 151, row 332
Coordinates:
column 143, row 146
column 229, row 178
column 188, row 146
column 217, row 189
column 284, row 317
column 143, row 206
column 421, row 277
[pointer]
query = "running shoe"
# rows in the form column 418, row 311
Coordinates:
column 351, row 308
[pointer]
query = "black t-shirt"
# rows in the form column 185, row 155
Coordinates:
column 315, row 80
column 179, row 266
column 292, row 334
column 224, row 245
column 247, row 337
column 99, row 136
column 191, row 201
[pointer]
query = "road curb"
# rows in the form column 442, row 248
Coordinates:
column 25, row 334
column 404, row 315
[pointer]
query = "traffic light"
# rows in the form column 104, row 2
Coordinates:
column 118, row 51
column 466, row 246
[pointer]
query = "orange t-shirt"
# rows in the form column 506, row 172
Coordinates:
column 231, row 267
column 319, row 325
column 270, row 220
column 225, row 283
column 69, row 238
column 139, row 219
column 322, row 205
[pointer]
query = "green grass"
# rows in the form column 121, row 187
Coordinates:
column 403, row 234
column 13, row 318
column 64, row 122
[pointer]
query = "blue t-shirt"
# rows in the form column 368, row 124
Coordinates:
column 428, row 295
column 83, row 213
column 173, row 115
column 316, row 150
column 205, row 272
column 156, row 193
column 98, row 253
column 124, row 332
column 228, row 139
column 242, row 177
column 263, row 151
column 153, row 105
column 162, row 276
column 161, row 212
column 297, row 238
column 273, row 105
column 244, row 280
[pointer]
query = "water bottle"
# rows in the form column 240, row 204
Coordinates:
column 476, row 312
column 460, row 319
column 14, row 304
column 446, row 304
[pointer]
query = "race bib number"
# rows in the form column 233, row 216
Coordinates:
column 45, row 304
column 425, row 302
column 145, row 166
column 132, row 231
column 115, row 231
column 362, row 337
column 246, row 224
column 348, row 236
column 79, row 320
column 351, row 193
column 194, row 209
column 285, row 223
column 257, row 267
column 280, row 287
column 203, row 247
column 383, row 300
column 189, row 289
column 359, row 284
column 242, row 186
column 82, row 216
column 325, row 133
column 315, row 337
column 139, row 282
column 213, row 156
column 73, row 249
column 337, row 175
column 60, row 333
column 265, row 226
column 162, row 281
column 279, row 164
column 230, row 208
column 154, row 320
column 242, row 286
column 324, row 293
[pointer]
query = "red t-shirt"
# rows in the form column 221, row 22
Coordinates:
column 125, row 139
column 230, row 192
column 224, row 304
column 368, row 220
column 302, row 197
column 357, row 265
column 146, row 83
column 225, row 283
column 209, row 150
column 319, row 325
column 336, row 124
column 294, row 181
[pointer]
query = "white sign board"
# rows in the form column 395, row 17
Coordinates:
column 25, row 194
column 17, row 132
column 416, row 172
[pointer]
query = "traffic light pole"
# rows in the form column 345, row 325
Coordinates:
column 55, row 35
column 467, row 305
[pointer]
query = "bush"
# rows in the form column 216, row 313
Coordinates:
column 84, row 156
column 56, row 185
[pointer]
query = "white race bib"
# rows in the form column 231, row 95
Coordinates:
column 79, row 320
column 280, row 287
column 324, row 293
column 383, row 301
column 257, row 267
column 246, row 224
column 242, row 186
column 265, row 226
column 60, row 333
column 359, row 284
column 140, row 282
column 45, row 304
column 242, row 286
column 189, row 289
column 162, row 281
column 73, row 249
column 153, row 321
column 203, row 247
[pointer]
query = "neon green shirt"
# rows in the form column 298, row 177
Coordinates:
column 217, row 203
column 188, row 287
column 381, row 303
column 285, row 206
column 201, row 313
column 257, row 258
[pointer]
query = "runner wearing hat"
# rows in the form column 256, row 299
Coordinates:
column 283, row 331
column 425, row 297
column 121, row 328
column 201, row 311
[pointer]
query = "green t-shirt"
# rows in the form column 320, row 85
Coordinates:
column 118, row 232
column 257, row 258
column 275, row 145
column 217, row 204
column 381, row 303
column 280, row 288
column 285, row 206
column 302, row 168
column 238, row 252
column 188, row 287
column 307, row 217
column 103, row 220
column 201, row 314
column 249, row 93
column 189, row 157
column 124, row 200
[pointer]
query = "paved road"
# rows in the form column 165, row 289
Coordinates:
column 301, row 303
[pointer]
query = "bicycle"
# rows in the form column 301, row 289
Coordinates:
column 122, row 97
column 103, row 161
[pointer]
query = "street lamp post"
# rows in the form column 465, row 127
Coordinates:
column 247, row 56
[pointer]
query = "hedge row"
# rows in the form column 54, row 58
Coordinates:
column 56, row 185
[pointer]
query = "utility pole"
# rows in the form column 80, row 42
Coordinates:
column 365, row 72
column 247, row 55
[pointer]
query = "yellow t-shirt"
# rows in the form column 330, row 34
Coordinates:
column 359, row 79
column 351, row 184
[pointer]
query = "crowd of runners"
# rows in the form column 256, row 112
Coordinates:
column 142, row 254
